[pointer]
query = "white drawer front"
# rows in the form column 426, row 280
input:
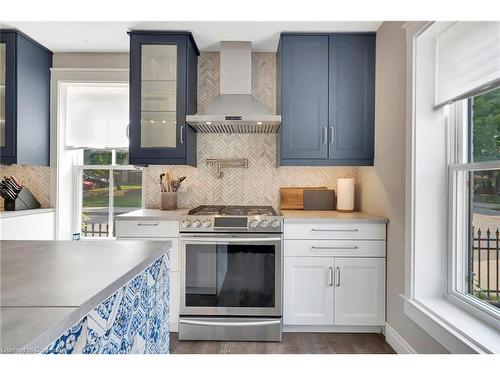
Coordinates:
column 334, row 248
column 146, row 228
column 337, row 231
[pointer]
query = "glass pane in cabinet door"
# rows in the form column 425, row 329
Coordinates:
column 159, row 96
column 2, row 94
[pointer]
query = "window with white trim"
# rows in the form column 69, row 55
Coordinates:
column 108, row 187
column 105, row 184
column 474, row 206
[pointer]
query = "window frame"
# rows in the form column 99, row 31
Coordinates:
column 78, row 175
column 459, row 121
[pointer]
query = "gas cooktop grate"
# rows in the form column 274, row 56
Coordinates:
column 233, row 210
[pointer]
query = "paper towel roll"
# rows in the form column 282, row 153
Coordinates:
column 345, row 194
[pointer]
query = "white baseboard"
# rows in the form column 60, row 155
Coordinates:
column 331, row 329
column 398, row 343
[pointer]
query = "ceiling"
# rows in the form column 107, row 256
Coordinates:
column 112, row 36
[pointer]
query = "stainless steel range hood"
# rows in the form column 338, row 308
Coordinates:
column 235, row 110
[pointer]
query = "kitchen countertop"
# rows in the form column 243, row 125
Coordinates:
column 48, row 286
column 292, row 216
column 36, row 211
column 289, row 215
column 154, row 214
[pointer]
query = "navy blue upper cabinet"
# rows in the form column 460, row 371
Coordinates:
column 24, row 100
column 352, row 99
column 163, row 84
column 326, row 90
column 304, row 94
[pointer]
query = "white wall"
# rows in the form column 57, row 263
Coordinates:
column 382, row 187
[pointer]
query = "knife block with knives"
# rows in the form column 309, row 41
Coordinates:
column 17, row 196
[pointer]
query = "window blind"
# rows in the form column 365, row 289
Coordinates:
column 97, row 116
column 467, row 60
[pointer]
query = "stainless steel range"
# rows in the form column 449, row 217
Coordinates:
column 231, row 274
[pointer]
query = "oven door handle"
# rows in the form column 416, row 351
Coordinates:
column 225, row 240
column 195, row 322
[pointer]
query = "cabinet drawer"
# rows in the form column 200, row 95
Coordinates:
column 336, row 231
column 330, row 248
column 146, row 228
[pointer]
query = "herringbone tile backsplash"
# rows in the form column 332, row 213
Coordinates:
column 260, row 183
column 36, row 178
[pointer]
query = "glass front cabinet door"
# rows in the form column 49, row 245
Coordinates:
column 2, row 94
column 7, row 96
column 163, row 80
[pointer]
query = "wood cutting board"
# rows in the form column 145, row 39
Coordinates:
column 292, row 198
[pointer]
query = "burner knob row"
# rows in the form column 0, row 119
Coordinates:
column 264, row 224
column 196, row 223
column 207, row 223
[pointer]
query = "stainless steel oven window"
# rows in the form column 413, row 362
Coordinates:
column 211, row 251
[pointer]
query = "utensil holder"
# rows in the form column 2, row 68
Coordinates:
column 168, row 201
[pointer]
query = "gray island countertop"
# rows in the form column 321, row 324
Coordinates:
column 47, row 286
column 154, row 214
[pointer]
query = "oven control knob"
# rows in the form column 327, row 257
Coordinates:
column 275, row 224
column 254, row 223
column 196, row 223
column 264, row 223
column 186, row 223
column 207, row 223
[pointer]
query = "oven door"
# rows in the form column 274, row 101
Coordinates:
column 231, row 274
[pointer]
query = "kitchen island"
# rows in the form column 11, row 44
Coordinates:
column 84, row 296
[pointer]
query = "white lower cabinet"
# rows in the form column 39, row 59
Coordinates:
column 334, row 277
column 308, row 291
column 38, row 225
column 360, row 291
column 334, row 291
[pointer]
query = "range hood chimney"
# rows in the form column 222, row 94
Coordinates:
column 235, row 110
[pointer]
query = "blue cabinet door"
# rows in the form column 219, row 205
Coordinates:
column 351, row 99
column 8, row 97
column 163, row 68
column 33, row 102
column 303, row 76
column 24, row 100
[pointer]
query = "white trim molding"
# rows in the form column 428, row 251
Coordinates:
column 452, row 327
column 397, row 342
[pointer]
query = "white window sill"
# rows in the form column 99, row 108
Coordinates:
column 455, row 329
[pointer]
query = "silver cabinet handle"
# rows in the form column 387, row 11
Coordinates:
column 325, row 134
column 148, row 224
column 330, row 276
column 334, row 247
column 229, row 323
column 182, row 134
column 334, row 230
column 127, row 131
column 331, row 135
column 338, row 276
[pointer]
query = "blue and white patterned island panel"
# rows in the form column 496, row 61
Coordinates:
column 134, row 319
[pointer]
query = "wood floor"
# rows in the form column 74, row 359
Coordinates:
column 293, row 343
